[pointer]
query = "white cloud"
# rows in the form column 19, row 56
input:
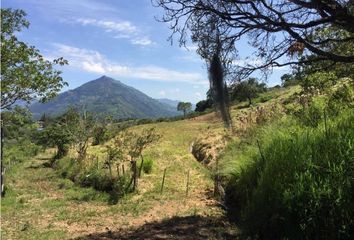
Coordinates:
column 245, row 62
column 162, row 93
column 92, row 61
column 142, row 41
column 124, row 27
column 198, row 94
column 121, row 29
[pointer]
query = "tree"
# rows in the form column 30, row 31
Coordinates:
column 247, row 90
column 288, row 80
column 279, row 31
column 202, row 105
column 135, row 143
column 56, row 135
column 81, row 128
column 25, row 74
column 184, row 107
column 114, row 154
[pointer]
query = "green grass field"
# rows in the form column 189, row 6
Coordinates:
column 40, row 204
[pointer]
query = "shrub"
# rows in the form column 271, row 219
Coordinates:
column 147, row 165
column 94, row 176
column 299, row 185
column 311, row 115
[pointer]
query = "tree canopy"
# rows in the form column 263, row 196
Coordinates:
column 282, row 32
column 25, row 74
column 184, row 107
column 247, row 90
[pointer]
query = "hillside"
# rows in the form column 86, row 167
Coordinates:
column 83, row 213
column 105, row 96
column 185, row 209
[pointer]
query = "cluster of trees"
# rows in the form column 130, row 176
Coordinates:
column 76, row 131
column 245, row 90
column 310, row 36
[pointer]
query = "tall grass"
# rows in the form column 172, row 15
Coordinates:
column 297, row 182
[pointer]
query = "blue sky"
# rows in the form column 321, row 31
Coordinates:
column 120, row 39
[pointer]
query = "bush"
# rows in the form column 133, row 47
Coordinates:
column 147, row 165
column 19, row 152
column 300, row 183
column 94, row 176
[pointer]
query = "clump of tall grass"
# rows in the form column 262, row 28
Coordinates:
column 147, row 165
column 298, row 181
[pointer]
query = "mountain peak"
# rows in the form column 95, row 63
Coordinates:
column 106, row 96
column 105, row 78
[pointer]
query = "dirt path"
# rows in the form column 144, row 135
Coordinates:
column 41, row 205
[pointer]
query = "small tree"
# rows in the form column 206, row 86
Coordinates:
column 184, row 107
column 114, row 154
column 135, row 145
column 288, row 80
column 247, row 90
column 81, row 127
column 56, row 135
column 103, row 131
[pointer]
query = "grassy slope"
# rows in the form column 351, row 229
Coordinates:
column 41, row 205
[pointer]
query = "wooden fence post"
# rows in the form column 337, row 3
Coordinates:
column 118, row 174
column 187, row 186
column 135, row 175
column 163, row 179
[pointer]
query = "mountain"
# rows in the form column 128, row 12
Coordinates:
column 172, row 103
column 105, row 96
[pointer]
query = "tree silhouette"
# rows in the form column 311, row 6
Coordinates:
column 184, row 107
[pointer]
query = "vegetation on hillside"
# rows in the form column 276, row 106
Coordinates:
column 279, row 161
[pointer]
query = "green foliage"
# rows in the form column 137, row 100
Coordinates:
column 19, row 132
column 70, row 129
column 288, row 80
column 318, row 81
column 340, row 98
column 147, row 165
column 94, row 176
column 247, row 90
column 298, row 182
column 185, row 107
column 201, row 106
column 312, row 114
column 18, row 124
column 25, row 74
column 114, row 154
column 14, row 153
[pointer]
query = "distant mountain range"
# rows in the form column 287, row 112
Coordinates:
column 106, row 96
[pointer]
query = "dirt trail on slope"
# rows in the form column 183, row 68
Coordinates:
column 44, row 207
